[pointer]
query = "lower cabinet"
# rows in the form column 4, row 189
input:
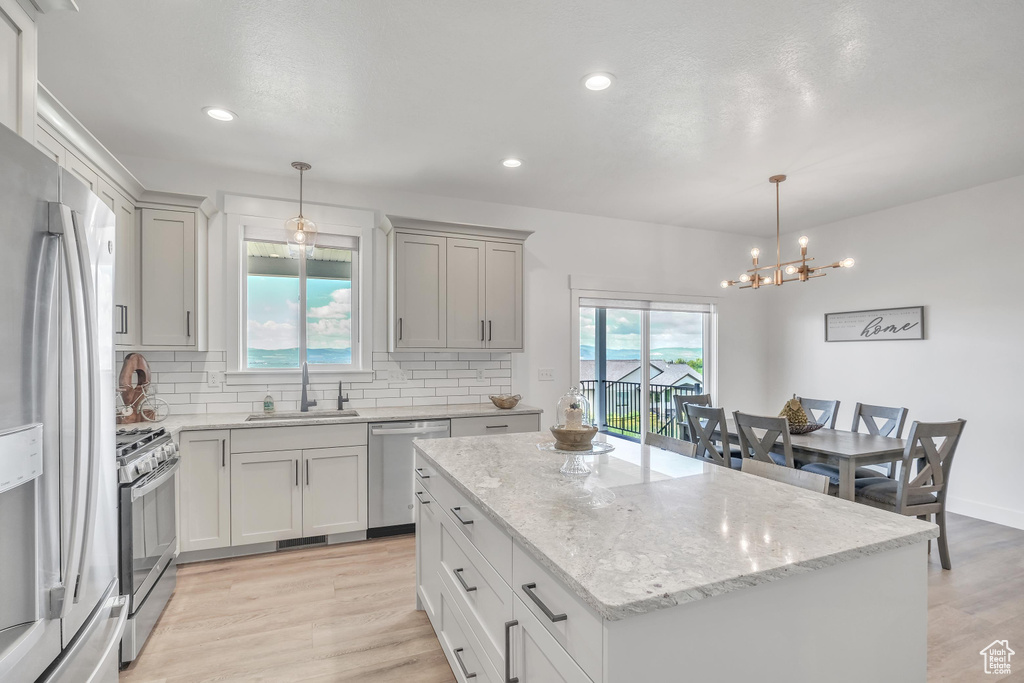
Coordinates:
column 534, row 653
column 496, row 424
column 279, row 495
column 428, row 555
column 266, row 497
column 204, row 485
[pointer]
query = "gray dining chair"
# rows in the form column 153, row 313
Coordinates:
column 827, row 411
column 683, row 400
column 932, row 446
column 703, row 422
column 669, row 443
column 787, row 475
column 868, row 415
column 762, row 448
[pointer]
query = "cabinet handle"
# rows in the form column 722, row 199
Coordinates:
column 125, row 319
column 307, row 473
column 455, row 511
column 496, row 427
column 188, row 323
column 490, row 329
column 528, row 589
column 465, row 586
column 223, row 452
column 296, row 471
column 508, row 651
column 481, row 330
column 466, row 673
column 399, row 329
column 420, row 493
column 419, row 473
column 122, row 326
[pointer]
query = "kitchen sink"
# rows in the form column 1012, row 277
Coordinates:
column 299, row 416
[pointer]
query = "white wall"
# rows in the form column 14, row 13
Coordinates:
column 958, row 255
column 684, row 261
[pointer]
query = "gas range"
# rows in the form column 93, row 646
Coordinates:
column 141, row 450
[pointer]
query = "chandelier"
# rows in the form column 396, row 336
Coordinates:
column 301, row 231
column 759, row 276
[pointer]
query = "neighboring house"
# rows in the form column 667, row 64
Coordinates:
column 661, row 373
column 997, row 657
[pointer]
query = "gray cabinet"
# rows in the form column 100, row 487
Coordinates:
column 334, row 495
column 266, row 497
column 168, row 278
column 420, row 282
column 466, row 299
column 204, row 485
column 497, row 424
column 126, row 310
column 504, row 296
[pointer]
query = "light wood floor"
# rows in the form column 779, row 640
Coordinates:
column 347, row 613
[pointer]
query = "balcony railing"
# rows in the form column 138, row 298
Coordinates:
column 622, row 406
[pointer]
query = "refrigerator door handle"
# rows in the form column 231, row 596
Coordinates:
column 64, row 222
column 112, row 606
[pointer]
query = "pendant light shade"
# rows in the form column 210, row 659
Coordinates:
column 300, row 230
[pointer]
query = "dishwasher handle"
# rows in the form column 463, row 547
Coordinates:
column 407, row 431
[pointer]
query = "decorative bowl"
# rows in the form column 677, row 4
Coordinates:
column 805, row 429
column 506, row 401
column 574, row 439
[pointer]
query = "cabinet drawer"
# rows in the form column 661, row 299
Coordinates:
column 536, row 656
column 483, row 596
column 489, row 540
column 425, row 474
column 258, row 439
column 497, row 424
column 461, row 646
column 579, row 632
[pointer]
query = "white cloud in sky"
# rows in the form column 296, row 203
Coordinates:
column 339, row 307
column 272, row 335
column 329, row 333
column 669, row 329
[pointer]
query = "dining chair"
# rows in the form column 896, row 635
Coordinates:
column 867, row 414
column 932, row 445
column 669, row 443
column 703, row 422
column 827, row 411
column 761, row 447
column 786, row 475
column 683, row 400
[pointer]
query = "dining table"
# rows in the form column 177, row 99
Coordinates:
column 846, row 450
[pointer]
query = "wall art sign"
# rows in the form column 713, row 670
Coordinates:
column 882, row 324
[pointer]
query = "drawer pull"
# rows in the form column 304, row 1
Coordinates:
column 496, row 427
column 458, row 658
column 508, row 652
column 419, row 473
column 465, row 586
column 455, row 511
column 528, row 589
column 420, row 493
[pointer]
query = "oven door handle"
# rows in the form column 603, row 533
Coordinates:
column 149, row 487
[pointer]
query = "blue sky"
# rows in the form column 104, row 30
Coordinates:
column 669, row 329
column 274, row 313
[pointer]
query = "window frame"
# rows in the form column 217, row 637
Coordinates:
column 265, row 216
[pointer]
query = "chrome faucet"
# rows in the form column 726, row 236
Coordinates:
column 306, row 401
column 342, row 396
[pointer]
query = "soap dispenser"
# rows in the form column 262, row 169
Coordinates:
column 268, row 405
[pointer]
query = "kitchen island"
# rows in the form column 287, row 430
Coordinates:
column 658, row 567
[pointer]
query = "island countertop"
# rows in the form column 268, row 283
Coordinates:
column 649, row 529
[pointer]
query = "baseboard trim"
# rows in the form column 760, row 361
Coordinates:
column 986, row 511
column 260, row 548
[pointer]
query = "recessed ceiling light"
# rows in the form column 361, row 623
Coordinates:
column 511, row 163
column 598, row 81
column 219, row 113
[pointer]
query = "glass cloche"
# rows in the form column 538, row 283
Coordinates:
column 573, row 411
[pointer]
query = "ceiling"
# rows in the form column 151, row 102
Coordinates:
column 865, row 104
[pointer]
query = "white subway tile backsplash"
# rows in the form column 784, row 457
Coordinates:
column 432, row 378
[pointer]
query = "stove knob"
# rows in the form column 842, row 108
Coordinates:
column 145, row 466
column 160, row 454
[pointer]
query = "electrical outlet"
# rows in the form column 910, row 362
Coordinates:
column 214, row 378
column 546, row 375
column 480, row 375
column 398, row 376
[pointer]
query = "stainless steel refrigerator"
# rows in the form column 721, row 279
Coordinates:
column 61, row 612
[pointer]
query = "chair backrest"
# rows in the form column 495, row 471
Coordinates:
column 760, row 447
column 703, row 422
column 681, row 401
column 894, row 418
column 670, row 444
column 932, row 445
column 827, row 411
column 787, row 475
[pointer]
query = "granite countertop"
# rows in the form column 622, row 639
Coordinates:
column 178, row 423
column 650, row 529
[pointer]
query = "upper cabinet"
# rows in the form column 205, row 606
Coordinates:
column 456, row 287
column 18, row 69
column 168, row 269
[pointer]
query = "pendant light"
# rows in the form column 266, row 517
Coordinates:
column 301, row 231
column 759, row 276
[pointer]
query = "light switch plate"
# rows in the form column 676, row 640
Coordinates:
column 546, row 375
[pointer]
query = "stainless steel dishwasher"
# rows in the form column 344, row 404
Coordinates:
column 390, row 477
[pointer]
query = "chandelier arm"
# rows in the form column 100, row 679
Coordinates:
column 778, row 222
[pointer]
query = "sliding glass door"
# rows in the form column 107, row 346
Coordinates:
column 635, row 356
